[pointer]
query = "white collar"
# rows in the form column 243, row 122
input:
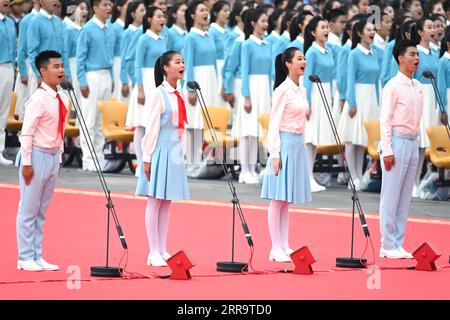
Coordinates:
column 447, row 55
column 153, row 35
column 168, row 87
column 72, row 24
column 179, row 30
column 434, row 46
column 257, row 40
column 45, row 14
column 275, row 34
column 2, row 16
column 335, row 39
column 286, row 34
column 301, row 39
column 318, row 47
column 292, row 84
column 404, row 78
column 49, row 90
column 132, row 27
column 34, row 11
column 379, row 39
column 218, row 28
column 199, row 32
column 99, row 23
column 120, row 22
column 423, row 49
column 238, row 31
column 349, row 42
column 363, row 50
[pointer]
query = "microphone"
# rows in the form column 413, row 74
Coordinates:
column 314, row 78
column 428, row 74
column 66, row 85
column 193, row 85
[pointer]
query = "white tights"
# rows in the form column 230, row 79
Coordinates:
column 279, row 224
column 248, row 153
column 354, row 154
column 157, row 224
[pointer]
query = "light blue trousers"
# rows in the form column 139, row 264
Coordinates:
column 34, row 201
column 396, row 190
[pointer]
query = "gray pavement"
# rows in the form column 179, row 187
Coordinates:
column 335, row 197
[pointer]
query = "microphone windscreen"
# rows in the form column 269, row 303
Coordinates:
column 428, row 74
column 66, row 85
column 314, row 78
column 192, row 85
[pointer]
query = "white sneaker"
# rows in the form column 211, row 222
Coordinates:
column 156, row 260
column 28, row 265
column 166, row 256
column 315, row 187
column 46, row 266
column 391, row 254
column 279, row 256
column 342, row 178
column 405, row 253
column 415, row 192
column 4, row 161
column 288, row 251
column 251, row 178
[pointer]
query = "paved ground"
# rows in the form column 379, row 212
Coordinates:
column 335, row 197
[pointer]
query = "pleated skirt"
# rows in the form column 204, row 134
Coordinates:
column 136, row 112
column 430, row 114
column 292, row 182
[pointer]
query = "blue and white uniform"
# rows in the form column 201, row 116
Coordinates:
column 444, row 80
column 71, row 33
column 219, row 35
column 177, row 38
column 128, row 45
column 118, row 27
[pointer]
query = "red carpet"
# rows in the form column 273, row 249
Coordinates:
column 75, row 235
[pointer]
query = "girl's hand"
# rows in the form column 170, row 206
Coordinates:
column 248, row 105
column 192, row 97
column 276, row 165
column 352, row 112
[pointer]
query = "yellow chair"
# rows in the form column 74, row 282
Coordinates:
column 264, row 121
column 71, row 130
column 219, row 118
column 114, row 113
column 373, row 137
column 439, row 146
column 13, row 124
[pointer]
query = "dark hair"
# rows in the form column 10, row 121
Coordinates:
column 446, row 5
column 295, row 29
column 407, row 4
column 148, row 15
column 349, row 25
column 67, row 3
column 273, row 19
column 329, row 6
column 404, row 29
column 191, row 11
column 132, row 7
column 444, row 42
column 437, row 16
column 115, row 14
column 216, row 9
column 235, row 12
column 334, row 14
column 43, row 58
column 428, row 7
column 401, row 47
column 310, row 28
column 253, row 15
column 265, row 7
column 286, row 19
column 399, row 19
column 163, row 60
column 418, row 26
column 171, row 11
column 358, row 29
column 281, row 71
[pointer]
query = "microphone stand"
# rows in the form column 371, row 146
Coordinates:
column 439, row 100
column 98, row 271
column 225, row 266
column 345, row 262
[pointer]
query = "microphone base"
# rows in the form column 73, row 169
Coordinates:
column 106, row 272
column 232, row 266
column 355, row 263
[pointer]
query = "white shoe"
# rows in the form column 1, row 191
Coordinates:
column 46, row 266
column 391, row 254
column 288, row 251
column 166, row 256
column 315, row 187
column 342, row 178
column 357, row 184
column 156, row 260
column 28, row 265
column 415, row 192
column 405, row 253
column 279, row 256
column 4, row 161
column 242, row 176
column 251, row 178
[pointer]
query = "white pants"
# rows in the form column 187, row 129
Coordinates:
column 6, row 88
column 24, row 91
column 100, row 84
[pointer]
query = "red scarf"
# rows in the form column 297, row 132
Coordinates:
column 62, row 114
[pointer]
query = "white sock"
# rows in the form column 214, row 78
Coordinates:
column 163, row 224
column 252, row 153
column 359, row 161
column 274, row 213
column 350, row 157
column 243, row 154
column 284, row 225
column 151, row 224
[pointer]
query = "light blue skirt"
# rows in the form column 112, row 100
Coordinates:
column 168, row 180
column 292, row 182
